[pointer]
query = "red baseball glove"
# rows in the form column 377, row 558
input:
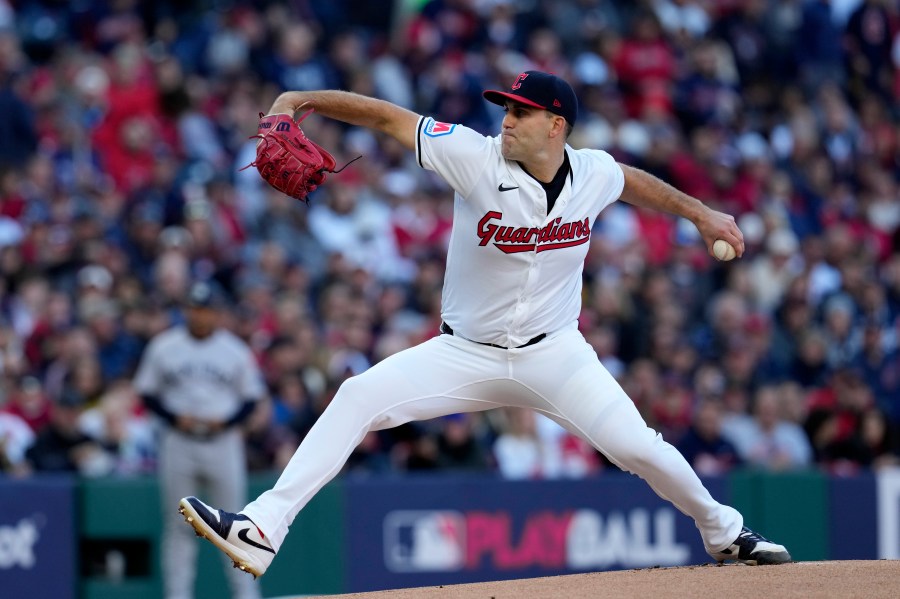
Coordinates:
column 287, row 159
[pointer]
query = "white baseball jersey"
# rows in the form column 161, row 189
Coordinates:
column 529, row 263
column 206, row 378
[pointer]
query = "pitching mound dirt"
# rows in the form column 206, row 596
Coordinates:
column 806, row 580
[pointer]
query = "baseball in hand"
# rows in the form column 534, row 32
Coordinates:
column 723, row 250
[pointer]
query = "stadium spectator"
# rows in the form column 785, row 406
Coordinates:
column 61, row 446
column 28, row 401
column 122, row 430
column 772, row 271
column 566, row 455
column 15, row 439
column 518, row 448
column 879, row 366
column 18, row 138
column 645, row 67
column 459, row 449
column 771, row 441
column 704, row 446
column 868, row 41
column 835, row 414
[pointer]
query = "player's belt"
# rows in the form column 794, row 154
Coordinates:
column 200, row 432
column 445, row 329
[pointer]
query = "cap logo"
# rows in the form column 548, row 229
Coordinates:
column 538, row 90
column 518, row 82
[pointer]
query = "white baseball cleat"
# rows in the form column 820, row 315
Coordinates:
column 235, row 534
column 753, row 549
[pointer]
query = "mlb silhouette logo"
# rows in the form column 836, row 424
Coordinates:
column 435, row 128
column 424, row 541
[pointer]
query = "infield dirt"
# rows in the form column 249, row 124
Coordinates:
column 807, row 580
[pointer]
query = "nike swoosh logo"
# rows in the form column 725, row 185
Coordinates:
column 501, row 188
column 242, row 535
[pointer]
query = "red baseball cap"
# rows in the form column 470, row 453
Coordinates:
column 540, row 90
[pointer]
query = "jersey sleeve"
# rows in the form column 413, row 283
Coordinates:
column 147, row 379
column 612, row 178
column 251, row 382
column 455, row 152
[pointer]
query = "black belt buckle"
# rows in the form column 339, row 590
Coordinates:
column 446, row 330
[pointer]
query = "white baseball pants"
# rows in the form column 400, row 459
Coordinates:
column 560, row 377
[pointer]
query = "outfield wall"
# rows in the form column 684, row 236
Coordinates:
column 68, row 538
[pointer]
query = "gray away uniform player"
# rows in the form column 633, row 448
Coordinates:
column 524, row 208
column 203, row 382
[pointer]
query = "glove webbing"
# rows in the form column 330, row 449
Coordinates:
column 298, row 121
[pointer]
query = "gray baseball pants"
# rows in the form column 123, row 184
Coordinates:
column 190, row 466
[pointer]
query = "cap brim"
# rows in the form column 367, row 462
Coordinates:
column 499, row 98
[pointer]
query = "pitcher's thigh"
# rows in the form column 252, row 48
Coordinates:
column 576, row 390
column 441, row 376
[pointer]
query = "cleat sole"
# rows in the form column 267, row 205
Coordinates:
column 200, row 526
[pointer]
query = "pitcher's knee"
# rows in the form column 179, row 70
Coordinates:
column 354, row 400
column 367, row 406
column 351, row 390
column 639, row 452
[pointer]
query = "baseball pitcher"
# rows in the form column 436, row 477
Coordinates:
column 524, row 208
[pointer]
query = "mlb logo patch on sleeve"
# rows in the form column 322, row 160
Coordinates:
column 435, row 128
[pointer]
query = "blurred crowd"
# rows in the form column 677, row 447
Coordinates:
column 124, row 126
